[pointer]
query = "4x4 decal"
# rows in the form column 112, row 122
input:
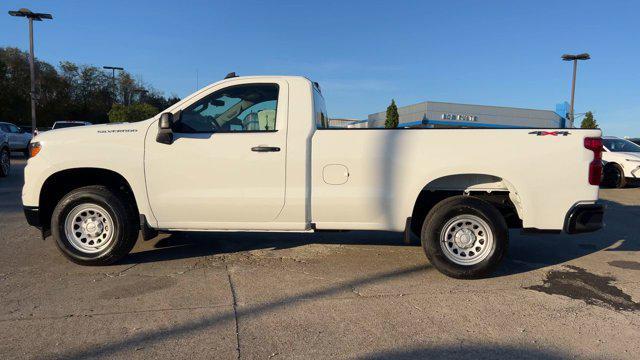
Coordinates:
column 552, row 133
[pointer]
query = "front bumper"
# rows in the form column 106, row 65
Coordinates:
column 584, row 218
column 32, row 214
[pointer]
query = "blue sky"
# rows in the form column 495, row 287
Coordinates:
column 363, row 53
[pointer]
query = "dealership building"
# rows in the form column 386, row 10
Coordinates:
column 432, row 114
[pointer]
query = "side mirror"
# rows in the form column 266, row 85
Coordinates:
column 165, row 131
column 166, row 120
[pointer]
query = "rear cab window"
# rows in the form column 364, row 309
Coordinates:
column 319, row 110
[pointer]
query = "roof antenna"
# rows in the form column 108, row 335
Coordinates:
column 231, row 75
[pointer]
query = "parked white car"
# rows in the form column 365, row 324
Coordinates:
column 621, row 160
column 257, row 154
column 5, row 154
column 635, row 140
column 18, row 139
column 66, row 124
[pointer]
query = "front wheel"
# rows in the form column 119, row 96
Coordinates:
column 94, row 225
column 5, row 162
column 465, row 237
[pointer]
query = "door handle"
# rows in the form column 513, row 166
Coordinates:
column 265, row 149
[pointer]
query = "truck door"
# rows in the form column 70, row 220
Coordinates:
column 226, row 164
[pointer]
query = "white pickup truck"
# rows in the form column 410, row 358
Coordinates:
column 256, row 154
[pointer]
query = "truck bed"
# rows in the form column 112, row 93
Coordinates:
column 545, row 172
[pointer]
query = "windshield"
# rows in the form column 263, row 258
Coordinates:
column 620, row 145
column 66, row 125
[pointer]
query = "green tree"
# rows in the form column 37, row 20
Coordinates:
column 72, row 92
column 131, row 113
column 118, row 113
column 589, row 122
column 392, row 116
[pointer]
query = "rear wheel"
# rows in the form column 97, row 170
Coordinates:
column 5, row 162
column 465, row 237
column 94, row 225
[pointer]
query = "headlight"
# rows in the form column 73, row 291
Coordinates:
column 34, row 149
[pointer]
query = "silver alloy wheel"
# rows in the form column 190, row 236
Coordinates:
column 5, row 161
column 466, row 239
column 89, row 228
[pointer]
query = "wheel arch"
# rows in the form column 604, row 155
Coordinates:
column 492, row 188
column 62, row 182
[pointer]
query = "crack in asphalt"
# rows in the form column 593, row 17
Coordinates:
column 66, row 316
column 121, row 272
column 235, row 311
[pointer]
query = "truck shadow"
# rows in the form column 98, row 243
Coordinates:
column 181, row 245
column 470, row 351
column 526, row 253
column 530, row 252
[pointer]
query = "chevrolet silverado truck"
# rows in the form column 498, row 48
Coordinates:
column 256, row 154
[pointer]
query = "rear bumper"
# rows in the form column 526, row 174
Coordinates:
column 32, row 214
column 584, row 218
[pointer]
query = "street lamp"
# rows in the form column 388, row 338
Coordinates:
column 37, row 17
column 574, row 58
column 113, row 76
column 142, row 93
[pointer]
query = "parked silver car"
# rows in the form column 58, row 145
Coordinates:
column 66, row 124
column 18, row 138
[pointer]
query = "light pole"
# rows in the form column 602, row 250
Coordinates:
column 37, row 17
column 574, row 58
column 142, row 93
column 113, row 77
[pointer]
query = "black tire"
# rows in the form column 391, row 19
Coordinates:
column 613, row 176
column 5, row 169
column 450, row 208
column 122, row 212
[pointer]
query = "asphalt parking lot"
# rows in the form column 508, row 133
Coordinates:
column 328, row 295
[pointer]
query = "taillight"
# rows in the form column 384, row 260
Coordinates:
column 595, row 167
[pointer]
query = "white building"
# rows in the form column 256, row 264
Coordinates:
column 441, row 114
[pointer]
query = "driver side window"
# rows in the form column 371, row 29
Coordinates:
column 240, row 108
